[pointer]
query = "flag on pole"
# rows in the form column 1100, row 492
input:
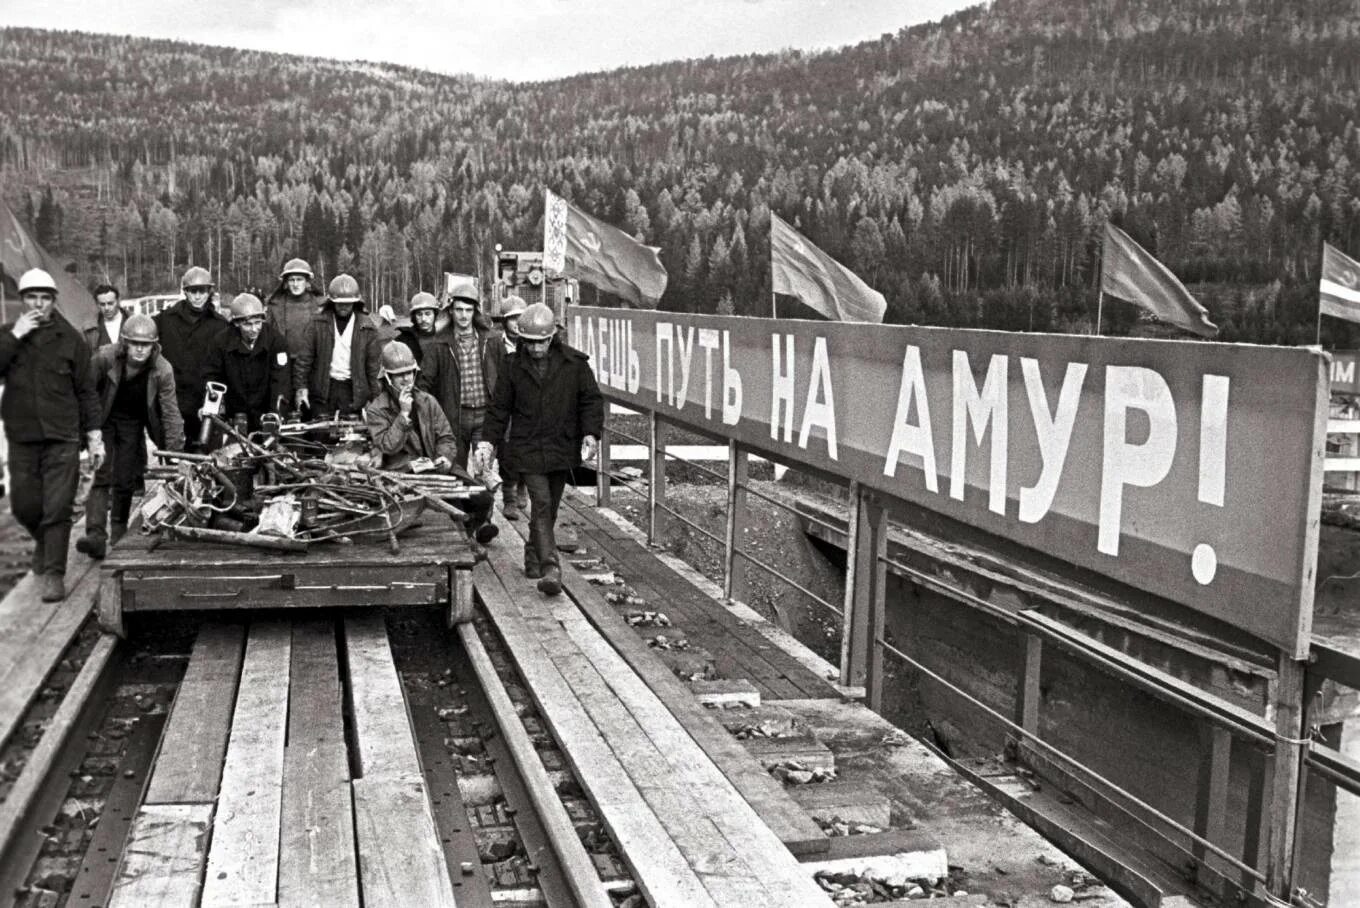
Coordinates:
column 20, row 252
column 1339, row 291
column 601, row 255
column 1129, row 272
column 819, row 282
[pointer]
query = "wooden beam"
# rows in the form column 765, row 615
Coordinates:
column 317, row 864
column 243, row 862
column 858, row 576
column 656, row 479
column 381, row 721
column 602, row 485
column 1211, row 792
column 734, row 567
column 580, row 871
column 660, row 869
column 24, row 792
column 1028, row 692
column 876, row 602
column 1285, row 794
column 189, row 766
column 163, row 858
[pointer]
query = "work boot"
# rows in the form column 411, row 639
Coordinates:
column 550, row 584
column 53, row 587
column 567, row 540
column 92, row 544
column 486, row 532
column 532, row 569
column 510, row 508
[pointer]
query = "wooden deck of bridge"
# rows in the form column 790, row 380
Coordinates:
column 697, row 819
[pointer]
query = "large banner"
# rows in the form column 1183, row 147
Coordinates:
column 1190, row 470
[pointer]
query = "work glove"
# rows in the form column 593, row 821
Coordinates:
column 94, row 442
column 303, row 399
column 589, row 448
column 486, row 452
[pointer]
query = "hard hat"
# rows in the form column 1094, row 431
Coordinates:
column 36, row 279
column 196, row 277
column 246, row 305
column 296, row 266
column 511, row 306
column 397, row 359
column 462, row 287
column 424, row 300
column 537, row 323
column 141, row 328
column 344, row 289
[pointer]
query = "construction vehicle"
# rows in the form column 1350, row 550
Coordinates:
column 522, row 274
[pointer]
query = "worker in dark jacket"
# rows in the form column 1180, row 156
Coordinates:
column 49, row 407
column 190, row 332
column 136, row 389
column 407, row 424
column 514, row 494
column 294, row 304
column 477, row 354
column 438, row 373
column 253, row 363
column 548, row 399
column 109, row 325
column 336, row 368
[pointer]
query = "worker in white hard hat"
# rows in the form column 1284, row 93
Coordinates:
column 190, row 332
column 253, row 362
column 49, row 408
column 137, row 399
column 409, row 429
column 548, row 401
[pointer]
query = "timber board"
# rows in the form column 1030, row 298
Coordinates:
column 661, row 871
column 798, row 832
column 163, row 857
column 189, row 766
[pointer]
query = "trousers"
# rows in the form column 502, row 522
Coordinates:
column 115, row 482
column 42, row 496
column 545, row 495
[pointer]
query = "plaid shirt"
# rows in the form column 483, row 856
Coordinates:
column 467, row 350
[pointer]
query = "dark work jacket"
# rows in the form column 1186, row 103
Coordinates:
column 164, row 423
column 312, row 366
column 547, row 418
column 49, row 385
column 98, row 336
column 189, row 340
column 393, row 436
column 290, row 315
column 438, row 374
column 492, row 355
column 255, row 378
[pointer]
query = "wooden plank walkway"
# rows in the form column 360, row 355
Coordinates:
column 654, row 786
column 251, row 800
column 739, row 650
column 34, row 634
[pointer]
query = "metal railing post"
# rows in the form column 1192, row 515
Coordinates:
column 877, row 526
column 854, row 619
column 656, row 479
column 1028, row 693
column 734, row 567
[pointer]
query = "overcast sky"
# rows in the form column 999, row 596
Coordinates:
column 518, row 39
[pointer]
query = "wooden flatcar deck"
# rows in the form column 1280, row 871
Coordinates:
column 252, row 800
column 144, row 573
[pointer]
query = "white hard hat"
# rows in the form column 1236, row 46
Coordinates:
column 36, row 279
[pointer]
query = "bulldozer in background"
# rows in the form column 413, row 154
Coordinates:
column 522, row 274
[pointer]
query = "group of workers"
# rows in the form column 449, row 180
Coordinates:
column 452, row 392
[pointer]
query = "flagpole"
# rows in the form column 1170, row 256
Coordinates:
column 1100, row 302
column 774, row 305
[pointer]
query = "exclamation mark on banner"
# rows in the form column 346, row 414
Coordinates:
column 1213, row 461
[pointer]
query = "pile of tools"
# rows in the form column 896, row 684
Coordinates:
column 289, row 486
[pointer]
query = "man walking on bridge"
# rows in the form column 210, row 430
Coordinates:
column 50, row 405
column 548, row 399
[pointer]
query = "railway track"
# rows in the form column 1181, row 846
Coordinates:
column 512, row 823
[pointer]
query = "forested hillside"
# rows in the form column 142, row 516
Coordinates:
column 963, row 167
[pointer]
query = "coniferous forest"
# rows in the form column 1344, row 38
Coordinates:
column 962, row 167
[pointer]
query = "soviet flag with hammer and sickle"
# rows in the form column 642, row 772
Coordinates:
column 1339, row 291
